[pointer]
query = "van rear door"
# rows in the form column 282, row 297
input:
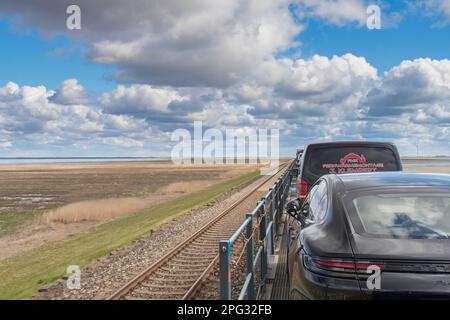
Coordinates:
column 349, row 158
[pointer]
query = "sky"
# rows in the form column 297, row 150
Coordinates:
column 133, row 74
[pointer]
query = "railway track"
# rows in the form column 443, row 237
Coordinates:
column 179, row 273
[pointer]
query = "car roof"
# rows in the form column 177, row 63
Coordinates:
column 352, row 181
column 348, row 143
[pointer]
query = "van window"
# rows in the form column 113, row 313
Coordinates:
column 351, row 159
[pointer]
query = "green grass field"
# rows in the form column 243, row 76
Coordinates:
column 11, row 221
column 23, row 274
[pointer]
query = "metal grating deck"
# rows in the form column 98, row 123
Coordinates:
column 276, row 284
column 280, row 285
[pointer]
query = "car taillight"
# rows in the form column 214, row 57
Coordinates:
column 333, row 264
column 361, row 267
column 349, row 266
column 302, row 189
column 337, row 264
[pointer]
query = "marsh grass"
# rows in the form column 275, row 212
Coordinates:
column 94, row 210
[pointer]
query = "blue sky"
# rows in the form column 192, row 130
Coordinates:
column 121, row 85
column 28, row 58
column 413, row 38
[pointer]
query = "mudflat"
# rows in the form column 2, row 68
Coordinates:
column 46, row 186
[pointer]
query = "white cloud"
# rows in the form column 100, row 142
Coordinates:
column 138, row 99
column 216, row 45
column 71, row 92
column 308, row 99
column 433, row 114
column 321, row 79
column 185, row 43
column 410, row 86
column 5, row 144
column 123, row 142
column 338, row 12
column 29, row 115
column 436, row 8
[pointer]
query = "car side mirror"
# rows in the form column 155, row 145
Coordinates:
column 305, row 212
column 293, row 208
column 298, row 211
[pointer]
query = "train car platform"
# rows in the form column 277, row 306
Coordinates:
column 277, row 285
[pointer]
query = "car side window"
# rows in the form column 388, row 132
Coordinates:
column 310, row 197
column 323, row 205
column 318, row 202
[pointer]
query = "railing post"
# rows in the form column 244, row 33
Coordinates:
column 224, row 270
column 271, row 218
column 275, row 207
column 262, row 237
column 279, row 203
column 251, row 286
column 287, row 186
column 271, row 209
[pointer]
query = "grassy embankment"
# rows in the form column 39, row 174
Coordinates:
column 23, row 274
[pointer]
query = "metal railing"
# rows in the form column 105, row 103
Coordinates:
column 262, row 223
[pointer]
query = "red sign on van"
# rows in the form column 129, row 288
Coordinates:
column 352, row 163
column 353, row 158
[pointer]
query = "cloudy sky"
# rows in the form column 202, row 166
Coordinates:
column 137, row 71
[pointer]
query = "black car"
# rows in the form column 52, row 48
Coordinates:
column 373, row 235
column 298, row 159
column 344, row 157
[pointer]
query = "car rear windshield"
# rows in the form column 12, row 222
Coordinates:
column 411, row 216
column 351, row 159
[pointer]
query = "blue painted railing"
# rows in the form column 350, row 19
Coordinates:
column 267, row 214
